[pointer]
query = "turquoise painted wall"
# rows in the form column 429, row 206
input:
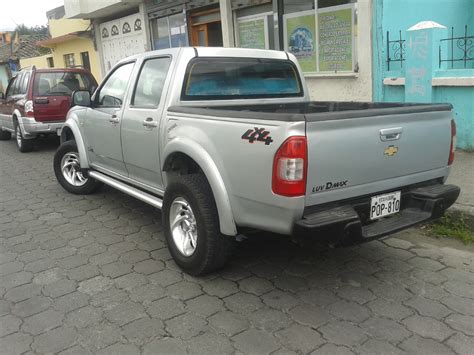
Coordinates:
column 396, row 15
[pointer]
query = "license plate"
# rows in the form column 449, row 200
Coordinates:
column 384, row 205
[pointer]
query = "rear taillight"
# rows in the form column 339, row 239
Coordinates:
column 289, row 167
column 29, row 109
column 453, row 142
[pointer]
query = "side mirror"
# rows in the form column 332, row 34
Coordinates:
column 81, row 98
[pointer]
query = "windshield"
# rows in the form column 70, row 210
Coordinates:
column 239, row 78
column 61, row 83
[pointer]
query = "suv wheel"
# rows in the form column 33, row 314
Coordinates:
column 5, row 135
column 191, row 226
column 24, row 145
column 68, row 171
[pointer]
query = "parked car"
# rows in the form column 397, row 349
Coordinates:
column 225, row 140
column 36, row 102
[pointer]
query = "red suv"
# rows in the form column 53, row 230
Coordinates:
column 37, row 100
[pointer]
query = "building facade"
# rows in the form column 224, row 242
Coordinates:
column 71, row 45
column 426, row 53
column 331, row 38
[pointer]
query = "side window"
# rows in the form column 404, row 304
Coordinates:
column 24, row 84
column 150, row 82
column 113, row 91
column 16, row 86
column 11, row 85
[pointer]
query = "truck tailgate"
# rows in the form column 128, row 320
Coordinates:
column 349, row 157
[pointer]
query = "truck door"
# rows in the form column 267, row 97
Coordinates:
column 7, row 105
column 103, row 119
column 141, row 120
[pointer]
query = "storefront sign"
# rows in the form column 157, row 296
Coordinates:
column 253, row 32
column 336, row 40
column 300, row 38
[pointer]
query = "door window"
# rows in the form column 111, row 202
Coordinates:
column 151, row 82
column 16, row 85
column 11, row 86
column 113, row 91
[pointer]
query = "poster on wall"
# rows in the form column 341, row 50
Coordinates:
column 300, row 38
column 252, row 32
column 335, row 34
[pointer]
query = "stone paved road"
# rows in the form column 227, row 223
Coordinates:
column 92, row 274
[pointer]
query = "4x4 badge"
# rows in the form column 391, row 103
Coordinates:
column 259, row 135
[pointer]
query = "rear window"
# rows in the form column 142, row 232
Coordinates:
column 240, row 78
column 61, row 83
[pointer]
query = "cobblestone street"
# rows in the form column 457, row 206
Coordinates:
column 92, row 274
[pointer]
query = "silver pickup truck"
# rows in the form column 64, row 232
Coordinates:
column 226, row 140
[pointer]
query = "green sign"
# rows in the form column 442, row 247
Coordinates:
column 252, row 33
column 335, row 40
column 301, row 39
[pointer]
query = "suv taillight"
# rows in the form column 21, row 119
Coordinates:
column 289, row 167
column 453, row 142
column 29, row 109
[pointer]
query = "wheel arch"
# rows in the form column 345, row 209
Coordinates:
column 70, row 131
column 192, row 158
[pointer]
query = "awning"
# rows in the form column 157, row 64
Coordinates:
column 64, row 38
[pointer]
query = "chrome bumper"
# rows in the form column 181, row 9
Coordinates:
column 30, row 127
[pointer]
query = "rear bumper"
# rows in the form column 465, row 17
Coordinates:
column 30, row 127
column 347, row 224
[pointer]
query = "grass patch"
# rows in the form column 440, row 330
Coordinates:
column 452, row 226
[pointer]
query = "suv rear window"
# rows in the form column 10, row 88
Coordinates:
column 61, row 83
column 240, row 78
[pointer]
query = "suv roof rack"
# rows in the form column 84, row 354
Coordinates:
column 33, row 67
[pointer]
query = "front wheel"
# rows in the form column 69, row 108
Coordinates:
column 191, row 226
column 68, row 171
column 23, row 145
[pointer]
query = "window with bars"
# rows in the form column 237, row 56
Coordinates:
column 69, row 61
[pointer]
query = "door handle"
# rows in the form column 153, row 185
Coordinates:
column 149, row 123
column 390, row 134
column 114, row 119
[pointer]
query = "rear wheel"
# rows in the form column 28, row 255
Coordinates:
column 23, row 145
column 5, row 135
column 191, row 226
column 68, row 171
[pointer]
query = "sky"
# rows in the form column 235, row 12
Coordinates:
column 28, row 12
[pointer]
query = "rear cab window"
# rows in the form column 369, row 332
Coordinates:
column 61, row 83
column 240, row 78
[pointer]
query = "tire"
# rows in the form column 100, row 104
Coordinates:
column 211, row 248
column 23, row 145
column 71, row 177
column 5, row 135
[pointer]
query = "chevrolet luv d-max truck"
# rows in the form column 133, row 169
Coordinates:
column 36, row 102
column 226, row 140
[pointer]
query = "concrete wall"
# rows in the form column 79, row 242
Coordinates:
column 349, row 87
column 77, row 46
column 38, row 62
column 396, row 15
column 64, row 26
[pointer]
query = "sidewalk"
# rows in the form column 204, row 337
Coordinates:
column 462, row 174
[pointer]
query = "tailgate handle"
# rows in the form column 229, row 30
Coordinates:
column 390, row 134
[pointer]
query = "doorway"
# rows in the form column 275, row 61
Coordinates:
column 206, row 28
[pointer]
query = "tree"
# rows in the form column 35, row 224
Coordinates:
column 35, row 30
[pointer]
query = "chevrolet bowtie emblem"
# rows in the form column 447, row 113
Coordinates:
column 390, row 151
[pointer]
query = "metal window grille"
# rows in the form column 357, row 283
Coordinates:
column 395, row 50
column 461, row 49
